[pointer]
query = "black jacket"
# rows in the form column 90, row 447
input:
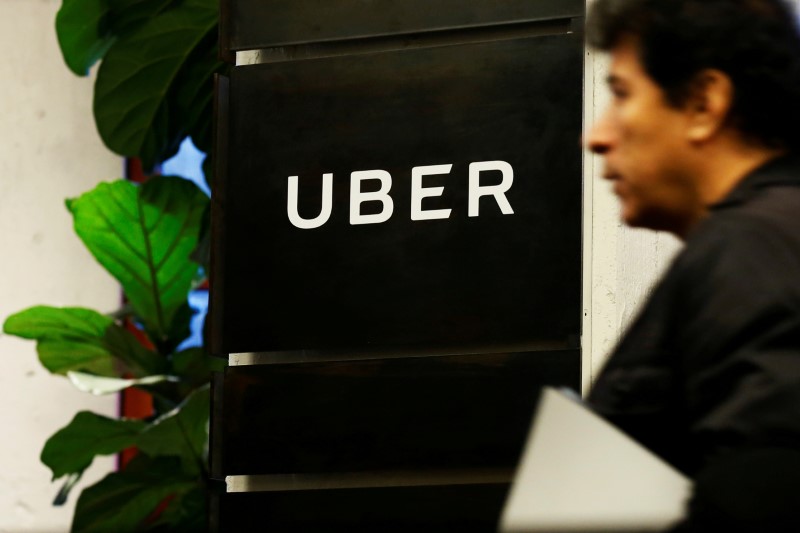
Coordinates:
column 708, row 375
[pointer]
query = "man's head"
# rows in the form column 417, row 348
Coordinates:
column 703, row 90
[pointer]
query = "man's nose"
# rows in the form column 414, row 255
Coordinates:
column 600, row 137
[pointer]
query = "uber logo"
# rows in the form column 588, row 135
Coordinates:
column 418, row 193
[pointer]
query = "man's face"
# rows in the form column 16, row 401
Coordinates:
column 643, row 140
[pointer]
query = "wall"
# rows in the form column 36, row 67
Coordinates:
column 49, row 151
column 620, row 264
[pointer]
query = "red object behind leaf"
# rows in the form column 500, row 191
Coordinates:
column 134, row 403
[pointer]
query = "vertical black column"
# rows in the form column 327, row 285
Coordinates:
column 397, row 256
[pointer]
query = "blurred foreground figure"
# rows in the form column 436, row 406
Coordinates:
column 702, row 139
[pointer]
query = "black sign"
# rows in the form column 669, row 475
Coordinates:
column 249, row 24
column 428, row 198
column 399, row 414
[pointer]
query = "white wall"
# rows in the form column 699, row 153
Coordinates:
column 48, row 151
column 620, row 264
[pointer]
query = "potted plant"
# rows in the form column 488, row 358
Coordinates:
column 153, row 89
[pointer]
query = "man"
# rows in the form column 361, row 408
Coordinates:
column 702, row 139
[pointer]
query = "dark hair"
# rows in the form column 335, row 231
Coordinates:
column 755, row 42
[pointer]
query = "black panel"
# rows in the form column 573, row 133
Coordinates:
column 467, row 283
column 463, row 509
column 445, row 412
column 249, row 24
column 216, row 439
column 218, row 222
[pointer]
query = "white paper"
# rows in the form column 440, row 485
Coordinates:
column 580, row 474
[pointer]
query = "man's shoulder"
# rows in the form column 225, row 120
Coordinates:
column 768, row 200
column 767, row 226
column 739, row 265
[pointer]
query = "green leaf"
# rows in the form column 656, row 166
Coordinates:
column 144, row 235
column 66, row 488
column 133, row 99
column 72, row 448
column 102, row 385
column 82, row 35
column 202, row 254
column 86, row 29
column 126, row 16
column 194, row 366
column 186, row 512
column 181, row 324
column 194, row 91
column 67, row 339
column 182, row 432
column 139, row 360
column 123, row 501
column 78, row 339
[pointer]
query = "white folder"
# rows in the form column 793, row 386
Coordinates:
column 580, row 474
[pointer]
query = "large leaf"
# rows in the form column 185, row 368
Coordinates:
column 194, row 90
column 82, row 34
column 181, row 323
column 72, row 448
column 127, row 16
column 144, row 235
column 202, row 254
column 194, row 366
column 66, row 488
column 185, row 512
column 100, row 385
column 139, row 360
column 123, row 501
column 134, row 90
column 86, row 29
column 182, row 432
column 78, row 339
column 67, row 338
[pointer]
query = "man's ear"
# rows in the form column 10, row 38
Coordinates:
column 708, row 104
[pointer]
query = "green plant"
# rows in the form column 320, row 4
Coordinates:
column 153, row 89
